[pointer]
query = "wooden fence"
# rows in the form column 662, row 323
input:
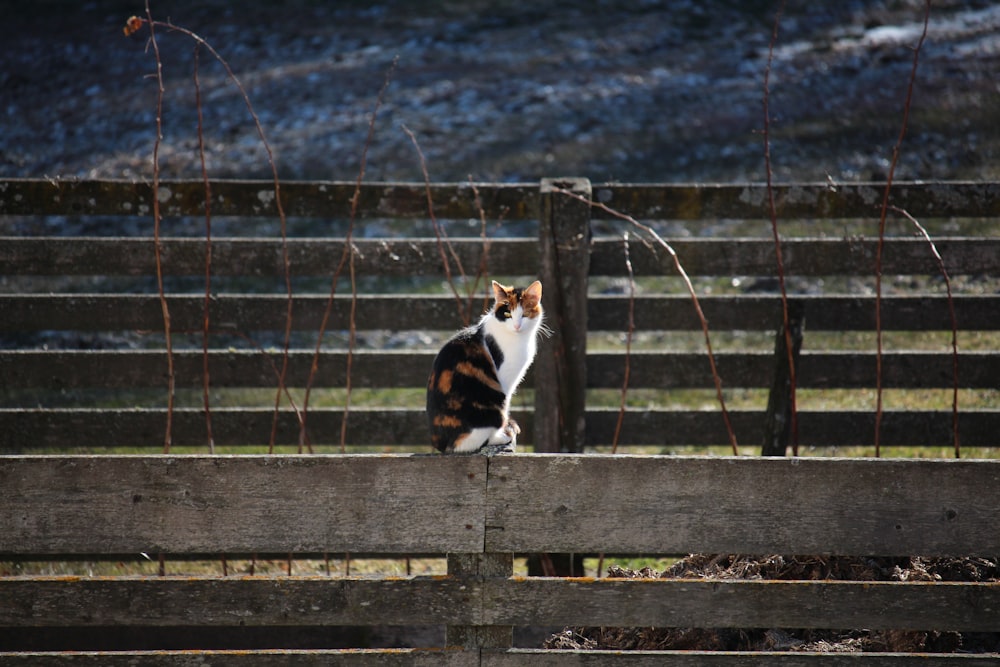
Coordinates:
column 66, row 295
column 574, row 244
column 480, row 512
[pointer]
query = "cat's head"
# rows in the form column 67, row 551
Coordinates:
column 519, row 309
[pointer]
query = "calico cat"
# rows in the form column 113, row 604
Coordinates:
column 476, row 372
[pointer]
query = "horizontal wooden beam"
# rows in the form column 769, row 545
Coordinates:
column 54, row 505
column 311, row 199
column 92, row 429
column 509, row 201
column 146, row 369
column 746, row 505
column 166, row 504
column 249, row 313
column 263, row 257
column 490, row 658
column 521, row 601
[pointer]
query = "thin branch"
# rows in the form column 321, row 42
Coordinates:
column 346, row 257
column 628, row 347
column 694, row 299
column 773, row 212
column 132, row 25
column 954, row 326
column 484, row 257
column 157, row 218
column 881, row 229
column 442, row 238
column 205, row 382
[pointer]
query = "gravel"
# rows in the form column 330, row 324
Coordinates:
column 507, row 91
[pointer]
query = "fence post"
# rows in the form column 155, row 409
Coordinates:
column 778, row 421
column 479, row 566
column 561, row 364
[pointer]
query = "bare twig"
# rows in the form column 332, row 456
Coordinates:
column 694, row 299
column 628, row 347
column 442, row 239
column 133, row 24
column 157, row 219
column 881, row 229
column 346, row 257
column 484, row 257
column 954, row 326
column 205, row 382
column 773, row 212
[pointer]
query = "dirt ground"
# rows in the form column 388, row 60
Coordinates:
column 502, row 90
column 807, row 568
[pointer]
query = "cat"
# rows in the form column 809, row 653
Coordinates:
column 477, row 371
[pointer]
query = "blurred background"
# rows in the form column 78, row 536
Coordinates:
column 508, row 91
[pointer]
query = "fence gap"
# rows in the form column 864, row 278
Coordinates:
column 560, row 367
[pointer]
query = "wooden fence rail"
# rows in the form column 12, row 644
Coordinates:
column 47, row 272
column 83, row 369
column 490, row 509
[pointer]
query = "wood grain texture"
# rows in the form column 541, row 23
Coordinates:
column 258, row 658
column 668, row 603
column 495, row 602
column 236, row 601
column 244, row 504
column 513, row 201
column 23, row 430
column 140, row 369
column 259, row 257
column 246, row 313
column 541, row 658
column 712, row 505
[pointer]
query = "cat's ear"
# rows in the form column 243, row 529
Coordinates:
column 499, row 292
column 534, row 290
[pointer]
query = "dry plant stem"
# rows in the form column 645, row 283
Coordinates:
column 277, row 190
column 167, row 438
column 208, row 260
column 954, row 326
column 442, row 239
column 881, row 229
column 483, row 269
column 649, row 231
column 346, row 256
column 628, row 347
column 773, row 213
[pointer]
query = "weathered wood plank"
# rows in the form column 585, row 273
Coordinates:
column 495, row 601
column 564, row 247
column 259, row 312
column 30, row 429
column 817, row 428
column 798, row 200
column 323, row 199
column 254, row 257
column 25, row 430
column 802, row 257
column 707, row 505
column 408, row 257
column 490, row 658
column 187, row 504
column 230, row 601
column 671, row 603
column 658, row 201
column 400, row 657
column 542, row 658
column 142, row 369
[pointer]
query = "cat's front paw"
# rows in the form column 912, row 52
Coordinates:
column 493, row 450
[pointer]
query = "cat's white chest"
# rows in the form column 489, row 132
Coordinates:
column 518, row 355
column 517, row 351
